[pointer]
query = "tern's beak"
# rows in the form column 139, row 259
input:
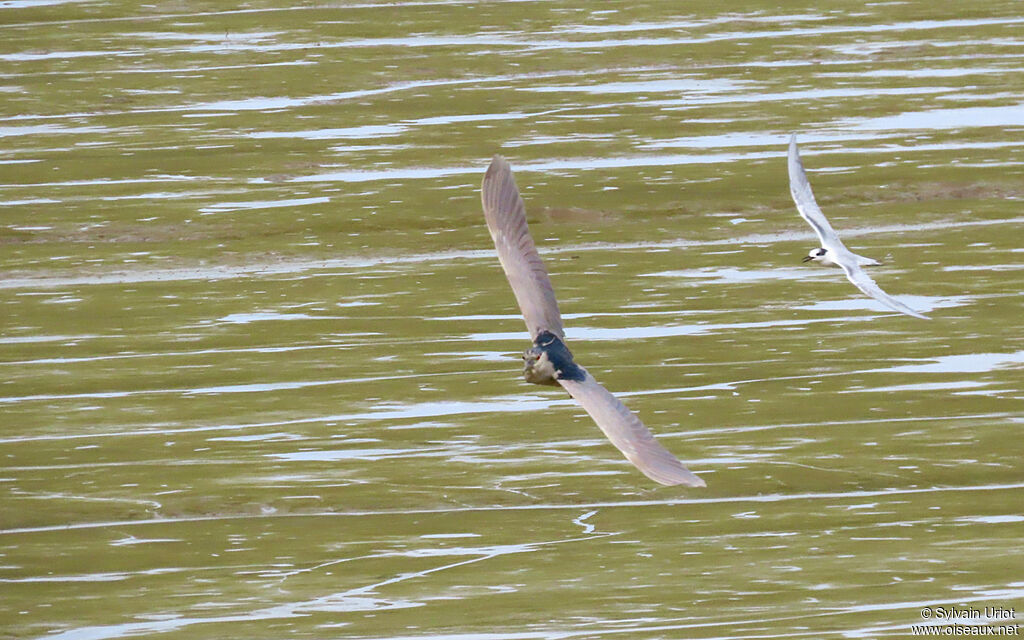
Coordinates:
column 807, row 259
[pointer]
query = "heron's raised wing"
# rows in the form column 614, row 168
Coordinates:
column 506, row 220
column 809, row 210
column 863, row 281
column 626, row 432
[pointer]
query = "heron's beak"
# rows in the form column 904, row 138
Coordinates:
column 807, row 259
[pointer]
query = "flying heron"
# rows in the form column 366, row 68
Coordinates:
column 550, row 362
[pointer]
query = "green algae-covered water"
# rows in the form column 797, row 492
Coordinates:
column 259, row 367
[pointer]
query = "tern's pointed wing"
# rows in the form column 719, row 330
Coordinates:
column 863, row 281
column 506, row 220
column 627, row 433
column 809, row 210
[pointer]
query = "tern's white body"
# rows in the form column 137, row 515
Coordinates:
column 824, row 257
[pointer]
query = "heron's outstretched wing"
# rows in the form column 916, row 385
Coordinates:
column 506, row 220
column 863, row 281
column 627, row 433
column 809, row 210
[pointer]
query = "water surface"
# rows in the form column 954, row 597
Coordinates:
column 260, row 365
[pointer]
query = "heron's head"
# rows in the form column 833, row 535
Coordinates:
column 530, row 357
column 537, row 368
column 818, row 255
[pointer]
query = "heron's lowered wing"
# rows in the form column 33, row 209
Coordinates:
column 863, row 281
column 627, row 433
column 506, row 220
column 809, row 210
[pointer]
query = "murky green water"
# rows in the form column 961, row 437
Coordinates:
column 259, row 364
